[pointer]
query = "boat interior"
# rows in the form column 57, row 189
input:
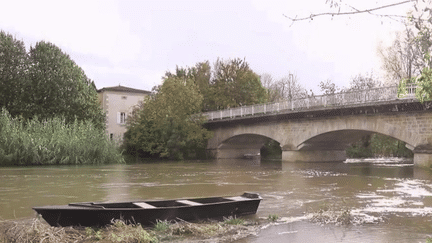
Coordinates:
column 160, row 204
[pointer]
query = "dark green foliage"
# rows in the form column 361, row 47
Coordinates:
column 271, row 150
column 165, row 125
column 53, row 142
column 378, row 145
column 59, row 87
column 45, row 83
column 360, row 149
column 230, row 83
column 13, row 73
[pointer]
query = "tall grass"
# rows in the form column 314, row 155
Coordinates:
column 53, row 142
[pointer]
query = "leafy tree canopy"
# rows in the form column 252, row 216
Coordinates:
column 13, row 71
column 234, row 84
column 230, row 83
column 59, row 87
column 45, row 83
column 164, row 125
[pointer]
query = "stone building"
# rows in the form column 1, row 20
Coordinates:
column 118, row 102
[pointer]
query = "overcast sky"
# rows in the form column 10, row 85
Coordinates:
column 133, row 43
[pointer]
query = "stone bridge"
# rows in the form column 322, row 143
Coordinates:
column 321, row 128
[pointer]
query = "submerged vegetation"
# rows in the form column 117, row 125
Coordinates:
column 53, row 142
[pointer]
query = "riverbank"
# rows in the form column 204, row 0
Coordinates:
column 37, row 230
column 54, row 142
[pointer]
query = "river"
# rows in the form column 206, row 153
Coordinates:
column 388, row 201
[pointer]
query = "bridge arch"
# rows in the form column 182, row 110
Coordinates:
column 240, row 145
column 302, row 126
column 316, row 139
column 349, row 127
column 341, row 139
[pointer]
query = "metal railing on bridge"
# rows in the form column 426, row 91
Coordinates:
column 360, row 97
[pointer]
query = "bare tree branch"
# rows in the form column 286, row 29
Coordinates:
column 356, row 11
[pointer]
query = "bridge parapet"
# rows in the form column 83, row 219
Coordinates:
column 353, row 98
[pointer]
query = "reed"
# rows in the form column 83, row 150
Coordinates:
column 37, row 230
column 53, row 142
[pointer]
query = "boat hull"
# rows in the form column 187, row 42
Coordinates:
column 90, row 214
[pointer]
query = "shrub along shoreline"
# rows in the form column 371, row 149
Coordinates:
column 54, row 142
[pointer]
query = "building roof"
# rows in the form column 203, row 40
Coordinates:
column 124, row 89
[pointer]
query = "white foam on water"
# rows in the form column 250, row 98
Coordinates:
column 368, row 195
column 287, row 220
column 383, row 160
column 404, row 196
column 386, row 202
column 410, row 188
column 423, row 211
column 363, row 218
column 288, row 232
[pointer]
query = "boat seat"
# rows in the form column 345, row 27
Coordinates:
column 143, row 205
column 236, row 198
column 190, row 203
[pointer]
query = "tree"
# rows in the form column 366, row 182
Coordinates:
column 424, row 86
column 230, row 83
column 234, row 84
column 13, row 73
column 273, row 93
column 201, row 76
column 363, row 82
column 59, row 88
column 328, row 87
column 337, row 4
column 286, row 88
column 358, row 82
column 421, row 24
column 403, row 59
column 165, row 124
column 290, row 88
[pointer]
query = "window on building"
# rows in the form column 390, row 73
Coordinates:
column 121, row 117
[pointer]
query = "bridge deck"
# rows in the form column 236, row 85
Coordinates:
column 371, row 97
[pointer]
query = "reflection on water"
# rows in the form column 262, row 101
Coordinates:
column 382, row 195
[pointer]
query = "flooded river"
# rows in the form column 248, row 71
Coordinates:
column 385, row 201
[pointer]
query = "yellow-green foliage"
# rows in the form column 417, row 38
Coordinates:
column 31, row 142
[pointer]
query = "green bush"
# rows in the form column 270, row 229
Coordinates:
column 378, row 145
column 53, row 142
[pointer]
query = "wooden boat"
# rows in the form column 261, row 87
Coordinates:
column 148, row 212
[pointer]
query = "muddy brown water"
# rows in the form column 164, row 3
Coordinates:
column 388, row 201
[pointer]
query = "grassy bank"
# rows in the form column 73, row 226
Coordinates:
column 53, row 142
column 36, row 230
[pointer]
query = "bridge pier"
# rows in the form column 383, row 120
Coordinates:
column 314, row 155
column 423, row 156
column 423, row 160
